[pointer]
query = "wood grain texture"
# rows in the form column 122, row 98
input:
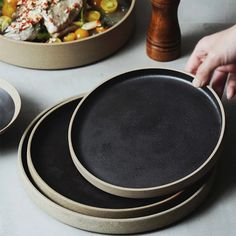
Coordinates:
column 164, row 36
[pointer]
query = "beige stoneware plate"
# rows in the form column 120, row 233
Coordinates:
column 50, row 165
column 10, row 105
column 70, row 54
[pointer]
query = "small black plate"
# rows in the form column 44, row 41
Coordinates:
column 145, row 129
column 10, row 105
column 7, row 108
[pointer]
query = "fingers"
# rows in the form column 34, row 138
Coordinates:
column 231, row 68
column 198, row 56
column 231, row 86
column 205, row 70
column 195, row 60
column 193, row 63
column 218, row 82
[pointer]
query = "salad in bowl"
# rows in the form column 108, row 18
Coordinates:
column 56, row 21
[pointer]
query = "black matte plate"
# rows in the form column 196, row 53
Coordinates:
column 51, row 159
column 102, row 225
column 7, row 108
column 145, row 128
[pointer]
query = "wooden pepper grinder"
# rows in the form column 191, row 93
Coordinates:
column 163, row 36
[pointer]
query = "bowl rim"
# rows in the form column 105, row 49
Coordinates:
column 37, row 44
column 11, row 90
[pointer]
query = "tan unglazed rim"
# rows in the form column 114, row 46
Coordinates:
column 152, row 191
column 105, row 225
column 16, row 100
column 82, row 208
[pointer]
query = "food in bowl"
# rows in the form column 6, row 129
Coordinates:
column 54, row 21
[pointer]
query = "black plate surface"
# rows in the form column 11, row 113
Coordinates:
column 146, row 128
column 32, row 188
column 51, row 159
column 7, row 108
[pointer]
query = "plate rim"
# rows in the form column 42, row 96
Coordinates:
column 15, row 96
column 149, row 191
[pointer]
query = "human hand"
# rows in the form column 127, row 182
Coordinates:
column 213, row 61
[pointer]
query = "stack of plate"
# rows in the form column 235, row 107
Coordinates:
column 134, row 155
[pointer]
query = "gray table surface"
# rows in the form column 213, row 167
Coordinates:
column 40, row 89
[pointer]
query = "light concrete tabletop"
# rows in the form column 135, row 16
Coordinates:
column 40, row 89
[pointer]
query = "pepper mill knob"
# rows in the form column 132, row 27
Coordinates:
column 164, row 36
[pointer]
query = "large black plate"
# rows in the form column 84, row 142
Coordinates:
column 190, row 200
column 55, row 174
column 146, row 132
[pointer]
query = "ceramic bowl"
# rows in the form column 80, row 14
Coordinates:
column 68, row 54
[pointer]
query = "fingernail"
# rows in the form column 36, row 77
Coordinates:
column 197, row 83
column 230, row 94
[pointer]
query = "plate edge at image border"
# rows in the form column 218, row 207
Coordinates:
column 159, row 190
column 14, row 94
column 112, row 226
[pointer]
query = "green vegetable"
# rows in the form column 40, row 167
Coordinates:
column 78, row 23
column 81, row 15
column 5, row 21
column 1, row 2
column 42, row 35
